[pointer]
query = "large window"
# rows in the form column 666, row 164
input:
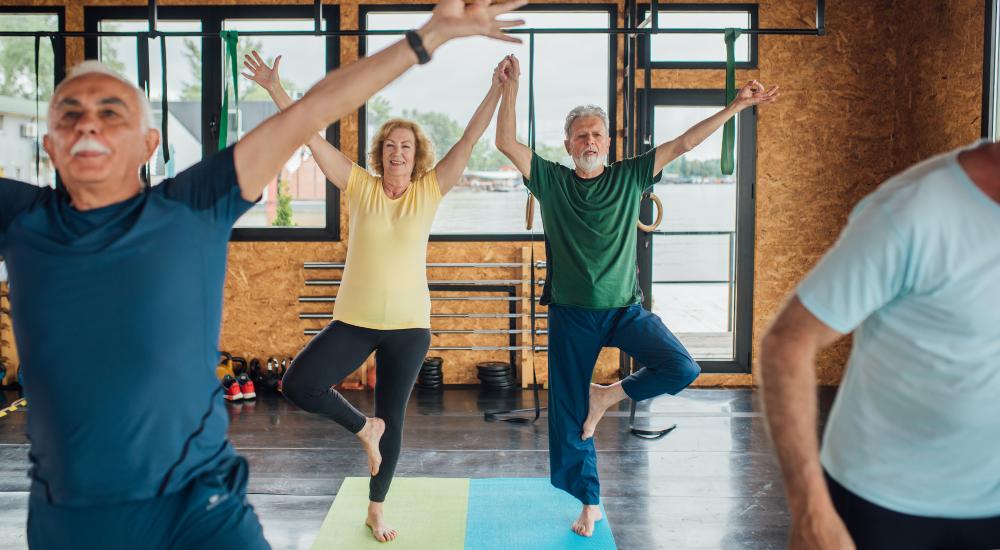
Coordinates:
column 23, row 109
column 696, row 50
column 298, row 204
column 700, row 260
column 297, row 197
column 570, row 70
column 184, row 90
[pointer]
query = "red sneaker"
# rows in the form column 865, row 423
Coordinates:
column 231, row 388
column 246, row 386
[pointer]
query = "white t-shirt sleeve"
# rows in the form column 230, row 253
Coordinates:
column 867, row 268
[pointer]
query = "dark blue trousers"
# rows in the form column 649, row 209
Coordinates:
column 211, row 512
column 576, row 336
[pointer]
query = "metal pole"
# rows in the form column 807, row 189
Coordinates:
column 445, row 315
column 340, row 265
column 820, row 17
column 349, row 32
column 484, row 282
column 732, row 283
column 324, row 299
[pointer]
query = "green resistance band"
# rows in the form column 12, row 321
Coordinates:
column 229, row 42
column 729, row 130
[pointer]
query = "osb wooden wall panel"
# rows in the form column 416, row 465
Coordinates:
column 858, row 105
column 939, row 78
column 822, row 148
column 8, row 352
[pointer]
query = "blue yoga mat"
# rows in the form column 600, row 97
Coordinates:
column 527, row 514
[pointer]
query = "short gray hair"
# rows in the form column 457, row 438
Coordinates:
column 581, row 111
column 93, row 66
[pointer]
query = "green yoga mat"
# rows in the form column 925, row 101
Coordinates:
column 429, row 513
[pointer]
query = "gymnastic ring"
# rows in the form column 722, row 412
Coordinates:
column 659, row 216
column 529, row 212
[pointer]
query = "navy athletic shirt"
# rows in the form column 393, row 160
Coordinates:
column 116, row 314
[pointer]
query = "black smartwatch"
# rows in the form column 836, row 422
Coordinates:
column 417, row 45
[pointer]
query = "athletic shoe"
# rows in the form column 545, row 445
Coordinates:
column 231, row 389
column 246, row 386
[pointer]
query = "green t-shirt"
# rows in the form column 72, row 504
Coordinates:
column 590, row 225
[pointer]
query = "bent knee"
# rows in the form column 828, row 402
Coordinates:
column 690, row 371
column 304, row 395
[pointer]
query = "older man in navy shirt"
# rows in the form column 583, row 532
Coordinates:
column 125, row 285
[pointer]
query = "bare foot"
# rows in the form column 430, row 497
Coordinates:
column 601, row 397
column 382, row 531
column 370, row 436
column 584, row 525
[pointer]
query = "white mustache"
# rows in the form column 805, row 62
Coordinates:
column 89, row 145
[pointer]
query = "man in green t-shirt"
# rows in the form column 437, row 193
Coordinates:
column 592, row 290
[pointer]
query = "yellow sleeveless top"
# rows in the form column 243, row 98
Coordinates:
column 384, row 285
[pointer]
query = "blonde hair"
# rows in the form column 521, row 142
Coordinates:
column 423, row 156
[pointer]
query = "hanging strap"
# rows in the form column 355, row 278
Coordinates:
column 142, row 67
column 142, row 61
column 38, row 120
column 229, row 42
column 729, row 130
column 490, row 416
column 164, row 103
column 530, row 210
column 643, row 433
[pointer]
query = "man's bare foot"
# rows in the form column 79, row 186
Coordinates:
column 382, row 531
column 601, row 397
column 584, row 525
column 370, row 436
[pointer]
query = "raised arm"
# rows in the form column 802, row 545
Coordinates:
column 334, row 164
column 260, row 155
column 749, row 95
column 788, row 373
column 507, row 143
column 450, row 168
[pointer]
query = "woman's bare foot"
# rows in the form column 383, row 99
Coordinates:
column 382, row 531
column 370, row 436
column 601, row 398
column 584, row 525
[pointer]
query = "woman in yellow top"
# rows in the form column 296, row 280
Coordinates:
column 383, row 304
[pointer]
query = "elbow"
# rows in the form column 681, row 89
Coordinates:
column 503, row 144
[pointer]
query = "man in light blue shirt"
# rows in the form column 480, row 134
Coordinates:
column 911, row 453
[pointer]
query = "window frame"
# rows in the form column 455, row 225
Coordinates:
column 58, row 47
column 746, row 183
column 613, row 75
column 211, row 18
column 645, row 52
column 991, row 71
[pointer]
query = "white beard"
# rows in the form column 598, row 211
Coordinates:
column 588, row 164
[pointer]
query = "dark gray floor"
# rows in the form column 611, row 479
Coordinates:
column 712, row 483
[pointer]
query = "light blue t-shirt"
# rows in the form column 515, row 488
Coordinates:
column 916, row 276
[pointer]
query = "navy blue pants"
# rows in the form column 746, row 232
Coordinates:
column 210, row 512
column 576, row 336
column 876, row 528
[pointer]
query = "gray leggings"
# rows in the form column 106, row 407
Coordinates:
column 338, row 351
